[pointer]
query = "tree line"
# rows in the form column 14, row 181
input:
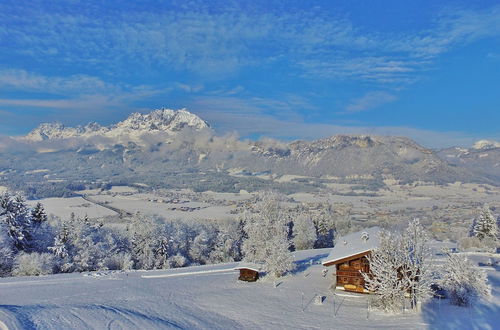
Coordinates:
column 31, row 243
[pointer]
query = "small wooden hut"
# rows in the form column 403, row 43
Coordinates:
column 349, row 256
column 249, row 272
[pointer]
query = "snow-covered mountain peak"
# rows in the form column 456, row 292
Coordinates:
column 161, row 120
column 486, row 144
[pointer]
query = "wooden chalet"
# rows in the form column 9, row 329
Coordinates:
column 349, row 258
column 249, row 272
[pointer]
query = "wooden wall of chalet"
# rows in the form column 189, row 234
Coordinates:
column 349, row 276
column 248, row 275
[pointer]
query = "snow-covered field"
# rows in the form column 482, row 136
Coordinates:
column 63, row 207
column 211, row 297
column 458, row 197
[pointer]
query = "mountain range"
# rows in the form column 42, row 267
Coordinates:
column 162, row 120
column 175, row 148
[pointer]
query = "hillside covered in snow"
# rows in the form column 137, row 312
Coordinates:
column 211, row 297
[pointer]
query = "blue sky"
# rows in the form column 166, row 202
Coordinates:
column 289, row 69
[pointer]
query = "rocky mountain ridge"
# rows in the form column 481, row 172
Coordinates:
column 161, row 120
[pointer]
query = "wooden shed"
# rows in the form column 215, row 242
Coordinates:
column 349, row 256
column 248, row 272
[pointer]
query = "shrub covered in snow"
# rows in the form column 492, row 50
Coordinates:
column 34, row 264
column 462, row 281
column 177, row 260
column 487, row 244
column 119, row 261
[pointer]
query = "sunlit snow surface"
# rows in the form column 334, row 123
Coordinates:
column 211, row 297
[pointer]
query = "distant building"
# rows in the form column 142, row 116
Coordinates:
column 249, row 272
column 349, row 256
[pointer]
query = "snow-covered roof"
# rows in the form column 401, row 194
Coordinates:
column 249, row 265
column 353, row 244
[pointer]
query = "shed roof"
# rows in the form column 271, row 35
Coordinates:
column 354, row 244
column 249, row 265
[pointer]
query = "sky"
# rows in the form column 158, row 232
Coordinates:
column 287, row 69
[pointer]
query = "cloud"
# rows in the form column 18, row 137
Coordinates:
column 370, row 101
column 217, row 41
column 268, row 126
column 249, row 119
column 29, row 81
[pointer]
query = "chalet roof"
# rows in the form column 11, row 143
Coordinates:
column 249, row 265
column 354, row 244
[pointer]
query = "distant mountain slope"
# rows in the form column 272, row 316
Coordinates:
column 482, row 159
column 178, row 149
column 354, row 157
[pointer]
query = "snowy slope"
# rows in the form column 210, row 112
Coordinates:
column 210, row 297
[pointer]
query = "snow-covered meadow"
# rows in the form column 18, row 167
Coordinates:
column 211, row 297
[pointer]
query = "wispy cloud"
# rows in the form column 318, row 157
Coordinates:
column 370, row 101
column 224, row 40
column 29, row 81
column 247, row 124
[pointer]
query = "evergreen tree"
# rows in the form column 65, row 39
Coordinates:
column 325, row 226
column 144, row 241
column 15, row 213
column 38, row 215
column 485, row 225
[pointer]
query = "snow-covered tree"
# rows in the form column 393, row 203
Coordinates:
column 42, row 232
column 304, row 232
column 200, row 248
column 485, row 225
column 6, row 251
column 15, row 213
column 384, row 276
column 38, row 215
column 162, row 253
column 400, row 266
column 227, row 243
column 462, row 281
column 61, row 242
column 267, row 231
column 88, row 251
column 416, row 271
column 325, row 226
column 142, row 233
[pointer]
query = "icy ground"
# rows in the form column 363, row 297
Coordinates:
column 211, row 297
